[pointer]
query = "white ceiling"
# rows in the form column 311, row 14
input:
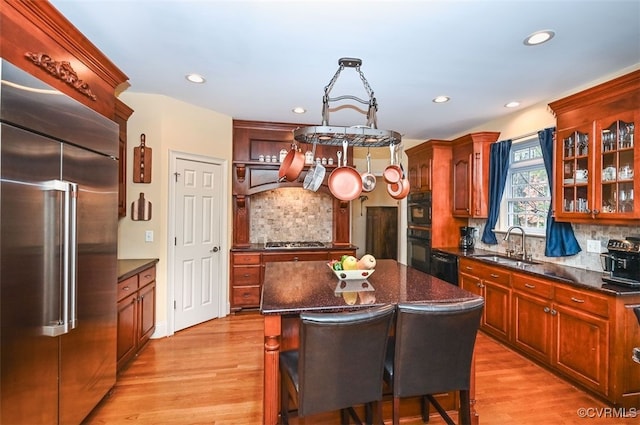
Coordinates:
column 262, row 58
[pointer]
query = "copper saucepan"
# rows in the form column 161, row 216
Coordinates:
column 292, row 165
column 400, row 189
column 345, row 183
column 393, row 173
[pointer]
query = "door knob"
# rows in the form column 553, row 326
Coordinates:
column 215, row 249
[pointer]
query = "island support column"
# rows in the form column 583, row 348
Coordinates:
column 272, row 332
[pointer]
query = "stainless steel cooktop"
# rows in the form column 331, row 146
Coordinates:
column 294, row 244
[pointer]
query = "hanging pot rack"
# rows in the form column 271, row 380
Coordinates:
column 358, row 135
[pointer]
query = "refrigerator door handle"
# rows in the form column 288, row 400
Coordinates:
column 71, row 250
column 68, row 291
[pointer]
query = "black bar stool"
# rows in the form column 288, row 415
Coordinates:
column 338, row 365
column 431, row 353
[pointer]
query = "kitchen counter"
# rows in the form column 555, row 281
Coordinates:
column 565, row 274
column 290, row 288
column 130, row 267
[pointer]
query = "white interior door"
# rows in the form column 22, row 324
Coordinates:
column 197, row 267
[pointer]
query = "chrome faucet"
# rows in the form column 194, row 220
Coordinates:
column 523, row 252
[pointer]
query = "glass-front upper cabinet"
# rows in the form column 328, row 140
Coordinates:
column 617, row 162
column 575, row 189
column 597, row 154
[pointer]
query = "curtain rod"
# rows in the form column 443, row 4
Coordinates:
column 524, row 136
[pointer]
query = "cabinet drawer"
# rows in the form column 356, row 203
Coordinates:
column 485, row 272
column 246, row 275
column 147, row 276
column 127, row 287
column 246, row 296
column 531, row 285
column 295, row 256
column 583, row 300
column 246, row 259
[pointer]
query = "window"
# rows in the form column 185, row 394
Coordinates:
column 527, row 195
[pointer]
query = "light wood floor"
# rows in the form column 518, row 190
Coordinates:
column 212, row 374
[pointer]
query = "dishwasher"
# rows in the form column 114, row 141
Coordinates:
column 444, row 266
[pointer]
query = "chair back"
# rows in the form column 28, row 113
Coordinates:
column 434, row 346
column 342, row 358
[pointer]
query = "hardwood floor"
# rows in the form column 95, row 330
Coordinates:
column 212, row 374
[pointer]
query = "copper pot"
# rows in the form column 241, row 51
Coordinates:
column 292, row 165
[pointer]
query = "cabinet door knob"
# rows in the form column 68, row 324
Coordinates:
column 546, row 309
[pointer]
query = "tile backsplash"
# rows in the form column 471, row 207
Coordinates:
column 583, row 232
column 291, row 214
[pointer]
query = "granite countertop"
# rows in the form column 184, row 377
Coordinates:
column 565, row 274
column 130, row 267
column 260, row 247
column 294, row 287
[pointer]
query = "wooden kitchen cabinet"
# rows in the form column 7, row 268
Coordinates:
column 584, row 335
column 532, row 321
column 250, row 175
column 470, row 174
column 136, row 314
column 492, row 283
column 597, row 133
column 430, row 165
column 247, row 271
column 246, row 280
column 122, row 114
column 581, row 335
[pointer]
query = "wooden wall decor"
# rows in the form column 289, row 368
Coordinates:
column 142, row 162
column 141, row 209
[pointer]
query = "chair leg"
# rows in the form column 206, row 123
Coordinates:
column 424, row 409
column 465, row 408
column 284, row 404
column 440, row 410
column 396, row 411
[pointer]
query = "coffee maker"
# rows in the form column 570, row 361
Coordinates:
column 466, row 237
column 622, row 261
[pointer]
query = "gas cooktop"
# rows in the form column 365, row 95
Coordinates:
column 292, row 245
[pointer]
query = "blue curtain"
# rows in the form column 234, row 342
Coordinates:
column 561, row 241
column 498, row 170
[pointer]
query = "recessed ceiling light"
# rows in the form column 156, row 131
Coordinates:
column 539, row 37
column 195, row 78
column 299, row 110
column 441, row 99
column 513, row 104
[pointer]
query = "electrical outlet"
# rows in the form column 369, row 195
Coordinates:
column 593, row 246
column 148, row 236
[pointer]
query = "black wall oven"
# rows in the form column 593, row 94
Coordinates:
column 419, row 209
column 419, row 249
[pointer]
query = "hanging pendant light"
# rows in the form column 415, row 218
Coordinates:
column 358, row 135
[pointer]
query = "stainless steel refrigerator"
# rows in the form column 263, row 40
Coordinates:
column 58, row 230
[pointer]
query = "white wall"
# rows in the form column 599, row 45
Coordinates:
column 169, row 125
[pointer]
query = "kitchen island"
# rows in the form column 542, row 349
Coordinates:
column 293, row 287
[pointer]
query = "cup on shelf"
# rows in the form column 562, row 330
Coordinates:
column 626, row 172
column 581, row 174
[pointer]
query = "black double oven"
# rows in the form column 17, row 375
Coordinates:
column 419, row 231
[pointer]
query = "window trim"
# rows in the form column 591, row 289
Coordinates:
column 524, row 165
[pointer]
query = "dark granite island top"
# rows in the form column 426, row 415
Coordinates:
column 294, row 287
column 290, row 288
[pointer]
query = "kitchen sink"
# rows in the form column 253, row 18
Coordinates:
column 507, row 261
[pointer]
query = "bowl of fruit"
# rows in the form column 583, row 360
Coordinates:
column 350, row 268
